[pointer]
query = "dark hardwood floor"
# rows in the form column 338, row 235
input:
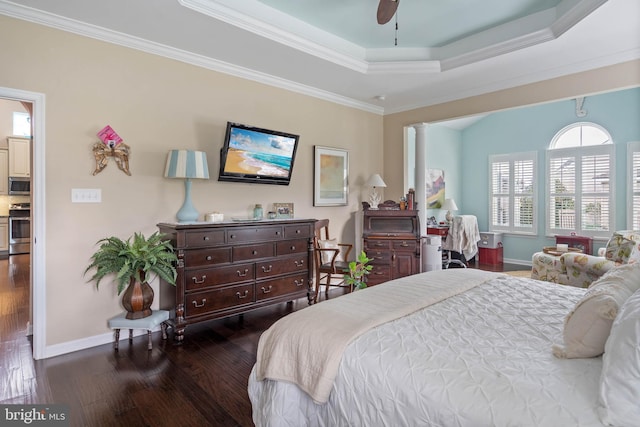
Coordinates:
column 202, row 382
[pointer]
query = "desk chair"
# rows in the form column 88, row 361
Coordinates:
column 462, row 238
column 330, row 258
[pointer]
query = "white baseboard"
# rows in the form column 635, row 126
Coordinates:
column 94, row 341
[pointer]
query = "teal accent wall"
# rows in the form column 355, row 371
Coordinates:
column 444, row 151
column 464, row 155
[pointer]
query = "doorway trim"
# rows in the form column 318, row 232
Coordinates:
column 38, row 241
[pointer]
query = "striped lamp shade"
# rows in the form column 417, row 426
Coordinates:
column 187, row 164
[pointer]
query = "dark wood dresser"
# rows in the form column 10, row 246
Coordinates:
column 232, row 267
column 392, row 241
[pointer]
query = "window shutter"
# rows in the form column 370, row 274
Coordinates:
column 513, row 193
column 634, row 185
column 562, row 193
column 500, row 194
column 523, row 193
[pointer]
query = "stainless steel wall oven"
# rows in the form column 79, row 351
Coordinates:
column 19, row 228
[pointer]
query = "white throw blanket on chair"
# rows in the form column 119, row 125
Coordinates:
column 463, row 236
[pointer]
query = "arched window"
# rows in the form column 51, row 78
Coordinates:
column 580, row 193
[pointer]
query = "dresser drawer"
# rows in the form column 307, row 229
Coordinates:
column 379, row 274
column 205, row 277
column 298, row 230
column 292, row 247
column 279, row 266
column 205, row 257
column 372, row 244
column 200, row 303
column 405, row 245
column 196, row 239
column 281, row 286
column 255, row 234
column 379, row 257
column 245, row 253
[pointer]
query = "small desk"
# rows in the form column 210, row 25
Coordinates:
column 157, row 317
column 441, row 230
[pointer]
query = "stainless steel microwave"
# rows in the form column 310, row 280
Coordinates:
column 19, row 186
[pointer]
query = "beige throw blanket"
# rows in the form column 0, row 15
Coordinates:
column 306, row 346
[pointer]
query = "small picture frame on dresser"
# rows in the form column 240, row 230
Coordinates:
column 283, row 210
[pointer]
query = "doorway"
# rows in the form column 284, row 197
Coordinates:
column 37, row 270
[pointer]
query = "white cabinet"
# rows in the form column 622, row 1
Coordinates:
column 19, row 157
column 4, row 234
column 4, row 172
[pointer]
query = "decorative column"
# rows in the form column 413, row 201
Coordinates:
column 421, row 174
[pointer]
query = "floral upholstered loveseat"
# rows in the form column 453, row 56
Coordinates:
column 576, row 269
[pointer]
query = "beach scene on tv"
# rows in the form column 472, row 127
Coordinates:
column 258, row 153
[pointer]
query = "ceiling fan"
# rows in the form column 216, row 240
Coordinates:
column 386, row 10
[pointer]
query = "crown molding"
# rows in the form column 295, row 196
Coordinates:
column 521, row 33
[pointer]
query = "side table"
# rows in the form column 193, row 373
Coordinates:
column 157, row 317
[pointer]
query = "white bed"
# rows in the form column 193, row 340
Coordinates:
column 480, row 358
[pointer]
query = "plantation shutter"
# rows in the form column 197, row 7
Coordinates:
column 634, row 185
column 513, row 187
column 580, row 191
column 500, row 180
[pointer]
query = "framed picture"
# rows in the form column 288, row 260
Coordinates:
column 283, row 210
column 435, row 188
column 330, row 176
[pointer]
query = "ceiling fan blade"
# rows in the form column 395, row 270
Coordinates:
column 386, row 10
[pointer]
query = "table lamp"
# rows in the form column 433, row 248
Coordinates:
column 374, row 198
column 449, row 205
column 187, row 164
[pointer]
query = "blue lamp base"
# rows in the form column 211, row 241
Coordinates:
column 187, row 212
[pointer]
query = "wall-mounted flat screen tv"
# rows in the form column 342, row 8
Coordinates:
column 257, row 155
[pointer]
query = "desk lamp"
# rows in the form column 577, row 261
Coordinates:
column 187, row 164
column 374, row 198
column 449, row 205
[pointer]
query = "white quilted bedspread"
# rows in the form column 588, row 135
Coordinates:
column 481, row 358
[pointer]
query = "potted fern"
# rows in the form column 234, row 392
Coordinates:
column 358, row 270
column 133, row 261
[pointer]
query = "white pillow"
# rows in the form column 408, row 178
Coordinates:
column 326, row 256
column 619, row 399
column 587, row 326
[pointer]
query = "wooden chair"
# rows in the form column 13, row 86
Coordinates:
column 330, row 258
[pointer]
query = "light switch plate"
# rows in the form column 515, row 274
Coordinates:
column 86, row 195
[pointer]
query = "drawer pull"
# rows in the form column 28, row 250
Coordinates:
column 404, row 245
column 266, row 291
column 232, row 236
column 298, row 231
column 242, row 274
column 206, row 238
column 199, row 282
column 292, row 248
column 196, row 305
column 246, row 293
column 267, row 269
column 277, row 233
column 299, row 282
column 299, row 263
column 209, row 257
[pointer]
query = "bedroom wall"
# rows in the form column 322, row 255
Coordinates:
column 155, row 104
column 444, row 151
column 532, row 129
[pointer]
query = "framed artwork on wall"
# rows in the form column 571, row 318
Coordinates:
column 435, row 188
column 330, row 176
